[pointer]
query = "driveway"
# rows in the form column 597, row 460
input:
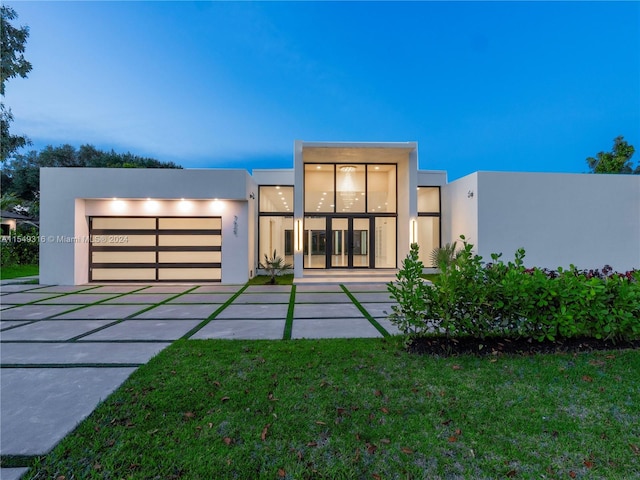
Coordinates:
column 64, row 349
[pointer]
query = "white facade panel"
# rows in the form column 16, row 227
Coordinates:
column 561, row 219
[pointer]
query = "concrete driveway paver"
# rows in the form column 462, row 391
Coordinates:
column 144, row 330
column 334, row 328
column 79, row 352
column 11, row 323
column 24, row 297
column 171, row 311
column 202, row 298
column 367, row 287
column 33, row 312
column 255, row 312
column 268, row 289
column 116, row 312
column 322, row 298
column 372, row 297
column 53, row 330
column 245, row 298
column 242, row 329
column 118, row 288
column 388, row 326
column 143, row 298
column 175, row 289
column 377, row 310
column 318, row 288
column 217, row 289
column 18, row 288
column 326, row 310
column 77, row 299
column 41, row 405
column 65, row 289
column 12, row 473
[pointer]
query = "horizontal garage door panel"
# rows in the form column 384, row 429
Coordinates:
column 123, row 257
column 155, row 249
column 189, row 273
column 124, row 274
column 190, row 223
column 189, row 257
column 189, row 240
column 123, row 240
column 120, row 223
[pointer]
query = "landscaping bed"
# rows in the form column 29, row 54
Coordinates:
column 443, row 346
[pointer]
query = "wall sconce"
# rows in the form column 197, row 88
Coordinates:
column 413, row 232
column 470, row 194
column 299, row 234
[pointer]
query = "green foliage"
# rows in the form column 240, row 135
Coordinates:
column 21, row 173
column 413, row 296
column 616, row 161
column 13, row 64
column 474, row 299
column 275, row 266
column 20, row 249
column 443, row 256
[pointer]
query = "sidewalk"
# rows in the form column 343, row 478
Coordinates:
column 66, row 348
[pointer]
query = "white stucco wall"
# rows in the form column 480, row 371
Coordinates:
column 561, row 219
column 70, row 195
column 459, row 210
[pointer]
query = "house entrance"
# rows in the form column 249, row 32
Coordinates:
column 350, row 242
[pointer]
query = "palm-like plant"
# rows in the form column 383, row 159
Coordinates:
column 275, row 266
column 444, row 256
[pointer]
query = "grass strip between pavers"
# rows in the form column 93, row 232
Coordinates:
column 166, row 300
column 91, row 332
column 288, row 325
column 367, row 315
column 202, row 324
column 80, row 307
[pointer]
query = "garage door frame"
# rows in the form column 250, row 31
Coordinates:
column 157, row 248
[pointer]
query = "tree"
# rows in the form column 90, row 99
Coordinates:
column 616, row 161
column 21, row 173
column 13, row 64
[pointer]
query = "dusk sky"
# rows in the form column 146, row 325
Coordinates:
column 516, row 86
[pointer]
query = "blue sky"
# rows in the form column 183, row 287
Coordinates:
column 517, row 86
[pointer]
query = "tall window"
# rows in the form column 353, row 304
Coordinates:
column 275, row 224
column 349, row 188
column 428, row 222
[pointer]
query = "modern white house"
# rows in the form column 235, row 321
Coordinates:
column 342, row 208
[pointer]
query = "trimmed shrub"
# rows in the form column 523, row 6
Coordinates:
column 471, row 298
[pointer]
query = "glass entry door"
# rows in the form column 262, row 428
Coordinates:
column 350, row 242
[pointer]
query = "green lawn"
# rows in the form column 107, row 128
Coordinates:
column 340, row 409
column 17, row 271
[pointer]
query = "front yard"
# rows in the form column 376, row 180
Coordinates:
column 360, row 409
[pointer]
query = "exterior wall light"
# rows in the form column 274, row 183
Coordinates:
column 217, row 206
column 151, row 205
column 413, row 231
column 185, row 205
column 118, row 205
column 299, row 234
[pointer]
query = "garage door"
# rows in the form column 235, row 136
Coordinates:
column 155, row 249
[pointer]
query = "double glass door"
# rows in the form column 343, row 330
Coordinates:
column 350, row 242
